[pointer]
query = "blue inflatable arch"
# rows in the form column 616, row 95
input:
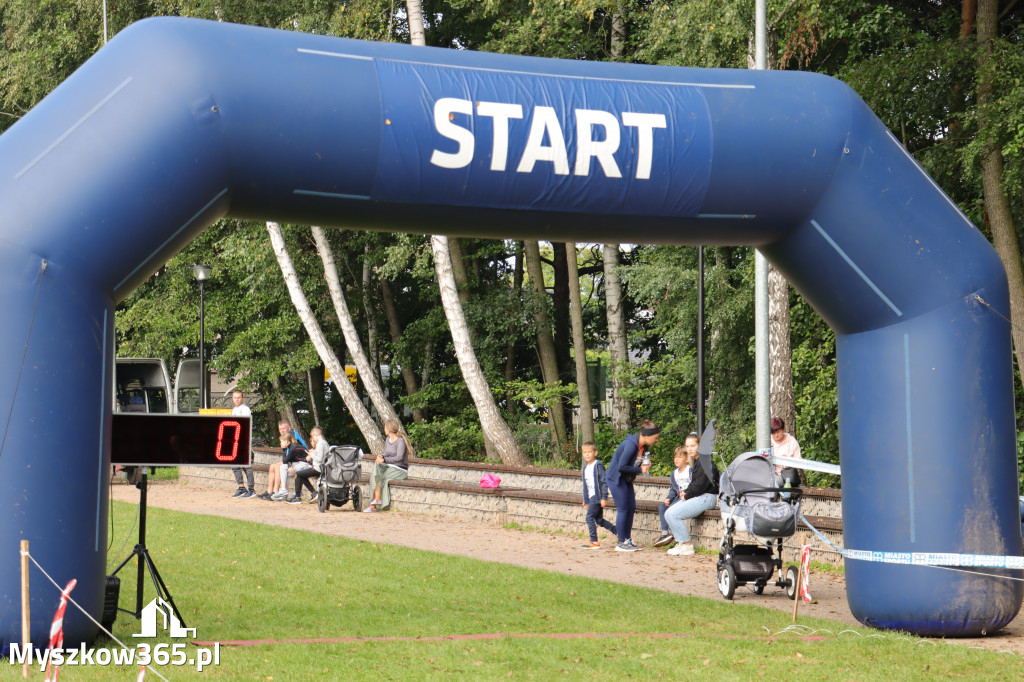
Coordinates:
column 180, row 122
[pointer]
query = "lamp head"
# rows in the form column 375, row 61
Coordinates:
column 202, row 272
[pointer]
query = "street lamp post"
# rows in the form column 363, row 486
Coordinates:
column 202, row 273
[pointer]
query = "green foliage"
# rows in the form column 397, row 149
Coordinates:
column 458, row 438
column 906, row 59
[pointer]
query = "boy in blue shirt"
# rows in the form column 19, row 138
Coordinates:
column 595, row 494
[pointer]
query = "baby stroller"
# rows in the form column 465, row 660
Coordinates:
column 752, row 502
column 338, row 482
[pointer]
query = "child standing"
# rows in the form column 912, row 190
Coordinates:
column 595, row 494
column 679, row 480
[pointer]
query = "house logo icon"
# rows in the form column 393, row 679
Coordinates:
column 170, row 621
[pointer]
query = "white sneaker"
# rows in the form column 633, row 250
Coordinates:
column 684, row 549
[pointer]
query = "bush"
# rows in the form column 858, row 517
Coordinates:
column 455, row 438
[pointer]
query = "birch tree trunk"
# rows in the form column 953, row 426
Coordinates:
column 490, row 419
column 621, row 414
column 497, row 434
column 348, row 329
column 545, row 344
column 997, row 203
column 414, row 10
column 362, row 418
column 579, row 349
column 458, row 261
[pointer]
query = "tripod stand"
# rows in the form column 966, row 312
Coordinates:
column 146, row 561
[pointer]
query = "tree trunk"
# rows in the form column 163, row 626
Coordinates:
column 348, row 329
column 618, row 37
column 355, row 406
column 458, row 260
column 459, row 269
column 997, row 203
column 508, row 450
column 780, row 353
column 371, row 320
column 414, row 10
column 490, row 419
column 580, row 350
column 288, row 411
column 545, row 344
column 621, row 415
column 428, row 355
column 510, row 349
column 561, row 302
column 395, row 330
column 312, row 398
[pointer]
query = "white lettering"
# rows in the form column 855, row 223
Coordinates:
column 545, row 123
column 546, row 139
column 645, row 124
column 444, row 115
column 603, row 150
column 501, row 113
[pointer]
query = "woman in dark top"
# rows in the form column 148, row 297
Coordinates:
column 700, row 496
column 626, row 464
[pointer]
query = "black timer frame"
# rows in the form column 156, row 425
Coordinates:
column 171, row 440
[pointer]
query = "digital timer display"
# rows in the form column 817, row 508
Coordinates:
column 174, row 440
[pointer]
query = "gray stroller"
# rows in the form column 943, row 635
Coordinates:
column 339, row 482
column 751, row 502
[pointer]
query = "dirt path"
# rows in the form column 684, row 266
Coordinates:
column 693, row 575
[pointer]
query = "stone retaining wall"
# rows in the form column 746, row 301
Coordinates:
column 547, row 499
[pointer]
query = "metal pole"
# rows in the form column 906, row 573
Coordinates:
column 104, row 22
column 26, row 619
column 202, row 349
column 761, row 361
column 700, row 339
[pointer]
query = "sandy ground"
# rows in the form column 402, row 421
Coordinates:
column 694, row 575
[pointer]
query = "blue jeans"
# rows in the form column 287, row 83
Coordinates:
column 595, row 518
column 677, row 514
column 625, row 504
column 661, row 514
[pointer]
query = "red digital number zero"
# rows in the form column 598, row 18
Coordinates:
column 220, row 441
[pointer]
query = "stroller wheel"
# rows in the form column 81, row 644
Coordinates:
column 727, row 581
column 322, row 504
column 758, row 589
column 357, row 497
column 791, row 578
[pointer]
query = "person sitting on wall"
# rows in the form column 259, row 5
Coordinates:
column 391, row 465
column 276, row 486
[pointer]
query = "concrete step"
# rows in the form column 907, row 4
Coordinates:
column 544, row 499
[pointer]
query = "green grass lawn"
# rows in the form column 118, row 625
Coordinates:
column 237, row 580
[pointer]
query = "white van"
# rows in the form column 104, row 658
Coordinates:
column 143, row 385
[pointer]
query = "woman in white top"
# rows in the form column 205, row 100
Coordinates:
column 783, row 444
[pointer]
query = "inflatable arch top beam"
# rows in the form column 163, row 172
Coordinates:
column 177, row 123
